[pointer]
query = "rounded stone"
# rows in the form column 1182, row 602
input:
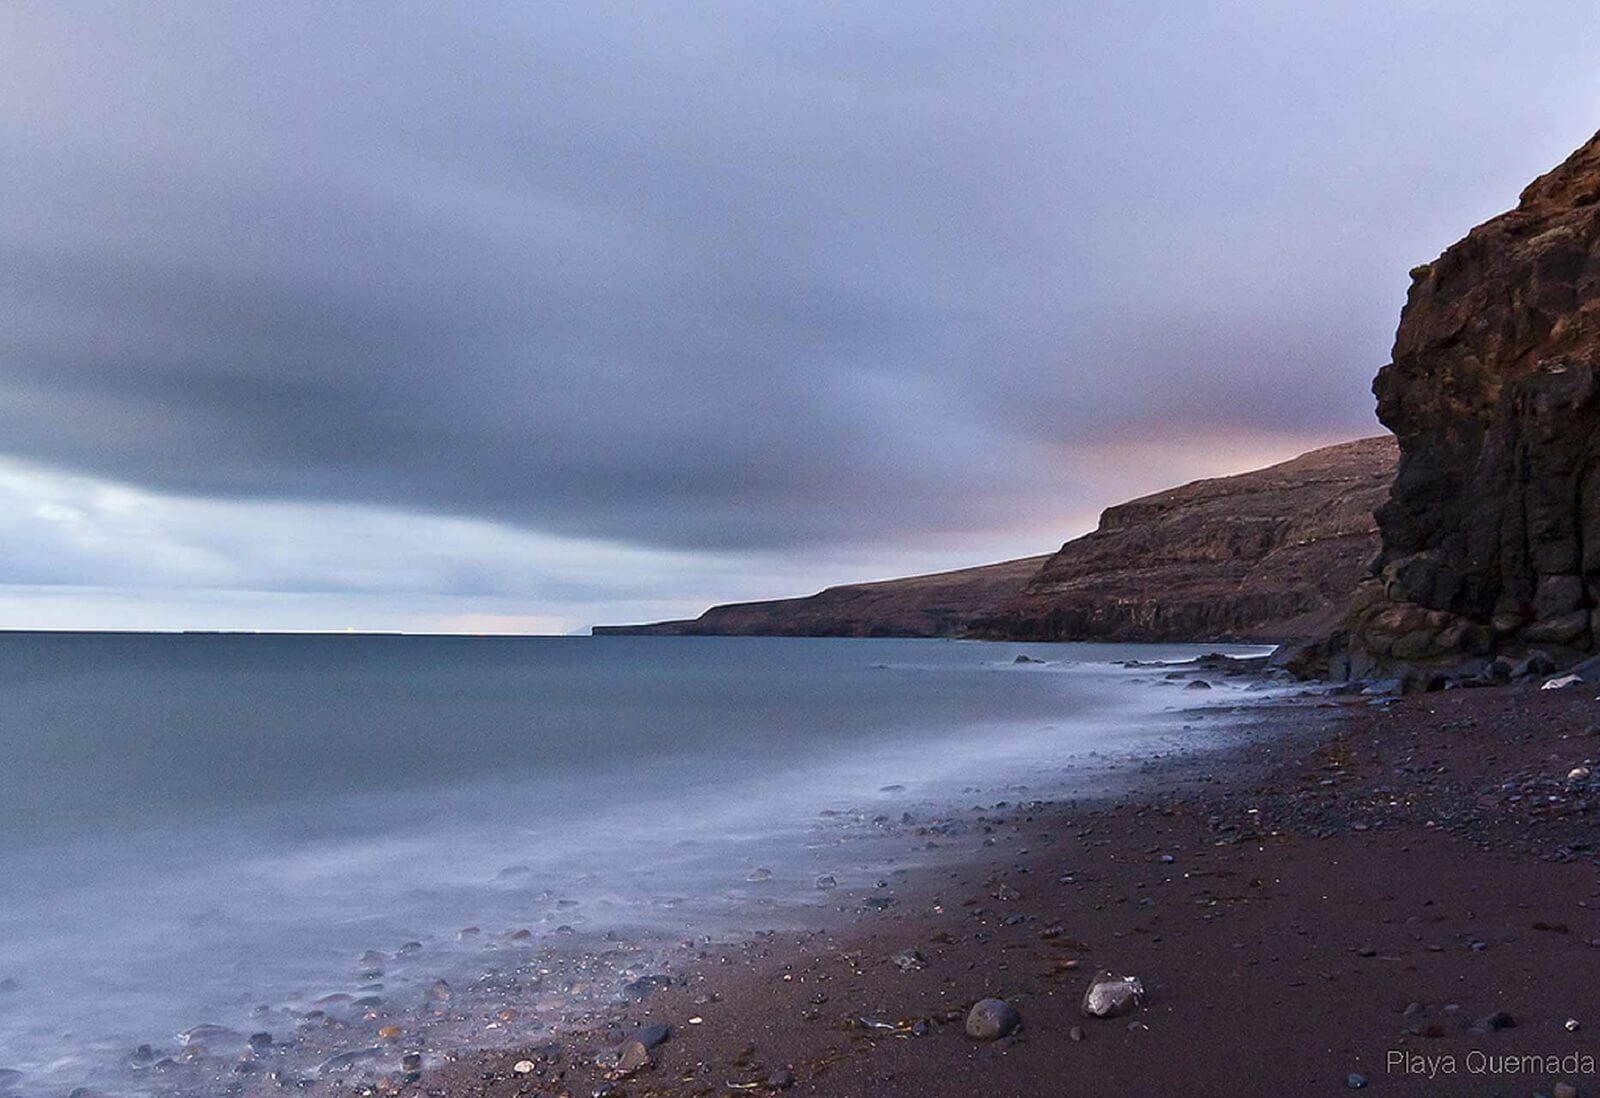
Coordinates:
column 991, row 1019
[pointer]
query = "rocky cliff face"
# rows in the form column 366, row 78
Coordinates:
column 1491, row 540
column 939, row 605
column 1262, row 556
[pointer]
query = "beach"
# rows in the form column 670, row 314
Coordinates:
column 1398, row 897
column 1317, row 889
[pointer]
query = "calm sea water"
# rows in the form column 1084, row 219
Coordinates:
column 197, row 829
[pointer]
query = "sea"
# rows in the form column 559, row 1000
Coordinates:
column 208, row 836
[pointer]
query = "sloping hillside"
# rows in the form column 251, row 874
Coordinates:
column 1263, row 555
column 939, row 605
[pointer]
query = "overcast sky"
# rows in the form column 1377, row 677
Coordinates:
column 525, row 316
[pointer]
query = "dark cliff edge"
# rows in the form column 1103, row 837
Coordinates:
column 1262, row 556
column 1491, row 540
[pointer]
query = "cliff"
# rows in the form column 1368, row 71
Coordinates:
column 1264, row 556
column 938, row 605
column 1491, row 540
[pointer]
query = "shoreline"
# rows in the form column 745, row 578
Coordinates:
column 562, row 933
column 1371, row 898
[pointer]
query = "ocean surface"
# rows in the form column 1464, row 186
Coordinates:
column 228, row 829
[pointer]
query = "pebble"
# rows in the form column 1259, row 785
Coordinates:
column 634, row 1056
column 645, row 986
column 909, row 960
column 782, row 1079
column 523, row 1067
column 1564, row 1090
column 991, row 1019
column 1076, row 1033
column 1355, row 1080
column 347, row 1060
column 759, row 874
column 201, row 1034
column 1110, row 996
column 827, row 881
column 1492, row 1023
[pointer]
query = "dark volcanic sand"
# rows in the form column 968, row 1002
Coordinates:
column 1377, row 860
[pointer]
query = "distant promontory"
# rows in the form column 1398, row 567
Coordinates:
column 1260, row 556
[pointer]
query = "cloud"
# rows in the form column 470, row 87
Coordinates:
column 826, row 281
column 83, row 552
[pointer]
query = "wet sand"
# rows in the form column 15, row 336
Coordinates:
column 1378, row 891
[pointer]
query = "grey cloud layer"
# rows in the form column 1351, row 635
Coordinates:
column 731, row 276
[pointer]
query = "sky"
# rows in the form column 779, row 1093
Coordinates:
column 520, row 317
